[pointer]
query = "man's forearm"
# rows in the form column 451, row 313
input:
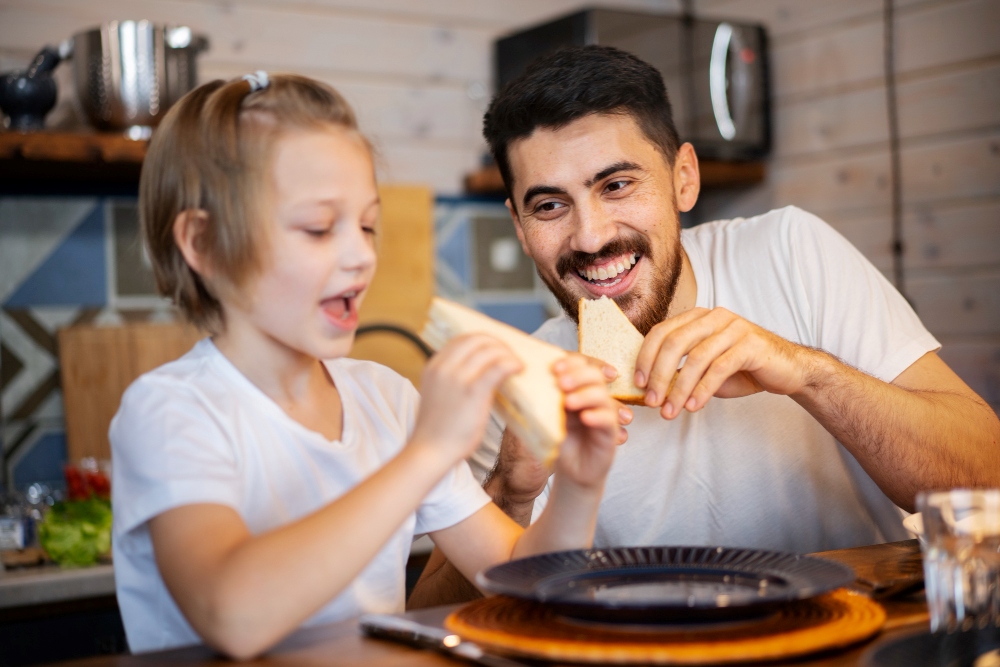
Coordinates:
column 907, row 439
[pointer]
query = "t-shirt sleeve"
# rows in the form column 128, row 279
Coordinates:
column 168, row 451
column 856, row 314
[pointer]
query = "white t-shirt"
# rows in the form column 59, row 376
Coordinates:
column 759, row 471
column 198, row 431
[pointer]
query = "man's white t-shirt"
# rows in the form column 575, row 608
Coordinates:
column 198, row 431
column 760, row 471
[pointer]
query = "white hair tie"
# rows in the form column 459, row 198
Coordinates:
column 258, row 80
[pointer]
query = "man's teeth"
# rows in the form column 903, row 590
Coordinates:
column 611, row 270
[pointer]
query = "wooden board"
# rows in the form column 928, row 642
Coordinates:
column 403, row 286
column 98, row 364
column 529, row 629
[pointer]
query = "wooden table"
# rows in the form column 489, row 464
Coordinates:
column 343, row 644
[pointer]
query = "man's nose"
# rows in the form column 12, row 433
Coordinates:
column 594, row 229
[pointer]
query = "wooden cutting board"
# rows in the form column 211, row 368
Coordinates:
column 98, row 363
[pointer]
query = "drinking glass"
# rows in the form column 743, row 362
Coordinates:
column 962, row 558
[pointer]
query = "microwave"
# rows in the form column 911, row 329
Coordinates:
column 716, row 72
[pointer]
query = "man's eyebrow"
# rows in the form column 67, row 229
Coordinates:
column 536, row 190
column 624, row 165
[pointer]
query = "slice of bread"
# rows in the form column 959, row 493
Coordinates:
column 530, row 401
column 605, row 333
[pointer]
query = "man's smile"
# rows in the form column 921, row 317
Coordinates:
column 608, row 272
column 612, row 277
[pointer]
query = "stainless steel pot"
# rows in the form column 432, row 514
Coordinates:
column 128, row 73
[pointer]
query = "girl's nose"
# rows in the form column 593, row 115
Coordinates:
column 358, row 253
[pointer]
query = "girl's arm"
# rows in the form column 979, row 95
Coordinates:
column 243, row 593
column 489, row 536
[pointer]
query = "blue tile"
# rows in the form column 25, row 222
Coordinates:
column 43, row 463
column 455, row 253
column 74, row 274
column 526, row 316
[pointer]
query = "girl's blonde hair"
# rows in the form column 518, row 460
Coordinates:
column 212, row 153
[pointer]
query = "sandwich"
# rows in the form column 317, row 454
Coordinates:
column 530, row 402
column 605, row 333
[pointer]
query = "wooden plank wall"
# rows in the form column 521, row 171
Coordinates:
column 831, row 150
column 418, row 73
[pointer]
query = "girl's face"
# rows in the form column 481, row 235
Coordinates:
column 320, row 256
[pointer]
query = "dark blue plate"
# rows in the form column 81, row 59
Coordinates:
column 665, row 584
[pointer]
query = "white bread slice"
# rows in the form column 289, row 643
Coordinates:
column 605, row 333
column 530, row 401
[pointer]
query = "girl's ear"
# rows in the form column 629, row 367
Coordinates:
column 189, row 230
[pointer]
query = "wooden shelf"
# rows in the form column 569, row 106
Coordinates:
column 714, row 174
column 69, row 162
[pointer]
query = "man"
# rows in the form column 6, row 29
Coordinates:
column 837, row 407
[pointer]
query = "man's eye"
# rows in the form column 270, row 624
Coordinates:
column 616, row 185
column 548, row 207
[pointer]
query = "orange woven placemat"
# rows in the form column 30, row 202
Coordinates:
column 530, row 629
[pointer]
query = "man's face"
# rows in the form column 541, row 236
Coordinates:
column 593, row 203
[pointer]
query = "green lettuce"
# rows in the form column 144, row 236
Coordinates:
column 76, row 532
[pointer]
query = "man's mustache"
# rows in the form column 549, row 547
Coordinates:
column 578, row 261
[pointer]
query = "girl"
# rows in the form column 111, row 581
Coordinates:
column 263, row 480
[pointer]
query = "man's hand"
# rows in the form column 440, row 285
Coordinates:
column 727, row 356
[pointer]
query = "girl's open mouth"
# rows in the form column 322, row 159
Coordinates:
column 342, row 310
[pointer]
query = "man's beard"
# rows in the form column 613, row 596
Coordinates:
column 651, row 308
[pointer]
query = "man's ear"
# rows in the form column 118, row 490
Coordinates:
column 687, row 178
column 517, row 226
column 189, row 235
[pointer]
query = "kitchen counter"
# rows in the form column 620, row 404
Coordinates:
column 343, row 643
column 51, row 583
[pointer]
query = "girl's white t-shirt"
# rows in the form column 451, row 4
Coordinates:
column 197, row 430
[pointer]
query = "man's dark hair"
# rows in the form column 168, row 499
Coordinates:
column 574, row 82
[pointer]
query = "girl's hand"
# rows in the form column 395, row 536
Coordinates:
column 592, row 423
column 457, row 390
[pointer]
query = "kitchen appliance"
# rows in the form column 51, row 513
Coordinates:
column 128, row 73
column 716, row 72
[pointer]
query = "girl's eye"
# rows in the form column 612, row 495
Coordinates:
column 319, row 232
column 371, row 231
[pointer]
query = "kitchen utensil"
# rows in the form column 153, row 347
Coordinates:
column 644, row 584
column 961, row 557
column 128, row 73
column 395, row 628
column 536, row 630
column 28, row 95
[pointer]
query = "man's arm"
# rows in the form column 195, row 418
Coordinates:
column 514, row 482
column 926, row 429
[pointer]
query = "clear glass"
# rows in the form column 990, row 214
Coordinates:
column 962, row 558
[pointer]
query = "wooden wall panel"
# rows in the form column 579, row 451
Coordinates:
column 927, row 106
column 950, row 236
column 956, row 305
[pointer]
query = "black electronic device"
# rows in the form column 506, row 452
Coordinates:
column 716, row 72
